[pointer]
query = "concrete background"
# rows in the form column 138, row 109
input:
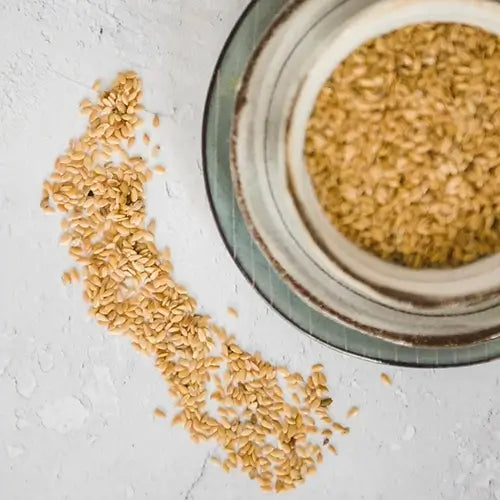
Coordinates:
column 76, row 405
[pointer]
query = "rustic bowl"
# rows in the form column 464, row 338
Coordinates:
column 425, row 307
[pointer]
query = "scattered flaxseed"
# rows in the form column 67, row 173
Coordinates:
column 385, row 379
column 156, row 121
column 96, row 86
column 44, row 203
column 353, row 412
column 74, row 274
column 232, row 312
column 85, row 106
column 146, row 139
column 71, row 276
column 159, row 169
column 130, row 290
column 340, row 428
column 156, row 151
column 48, row 209
column 158, row 413
column 131, row 142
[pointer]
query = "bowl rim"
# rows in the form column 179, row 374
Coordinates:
column 216, row 168
column 367, row 272
column 415, row 340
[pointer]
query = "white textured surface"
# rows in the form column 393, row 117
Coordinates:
column 76, row 405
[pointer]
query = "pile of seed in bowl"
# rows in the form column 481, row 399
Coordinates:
column 403, row 146
column 270, row 423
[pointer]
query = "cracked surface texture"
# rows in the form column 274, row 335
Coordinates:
column 76, row 405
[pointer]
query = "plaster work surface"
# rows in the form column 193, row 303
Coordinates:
column 76, row 405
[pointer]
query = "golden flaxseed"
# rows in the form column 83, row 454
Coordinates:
column 353, row 412
column 403, row 145
column 386, row 379
column 129, row 289
column 232, row 312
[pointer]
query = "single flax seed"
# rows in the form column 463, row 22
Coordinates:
column 158, row 413
column 353, row 412
column 232, row 312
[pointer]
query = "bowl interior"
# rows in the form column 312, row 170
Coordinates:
column 471, row 283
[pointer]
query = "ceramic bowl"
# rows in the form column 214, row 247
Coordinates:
column 425, row 307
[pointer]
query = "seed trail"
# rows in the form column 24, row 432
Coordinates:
column 129, row 288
